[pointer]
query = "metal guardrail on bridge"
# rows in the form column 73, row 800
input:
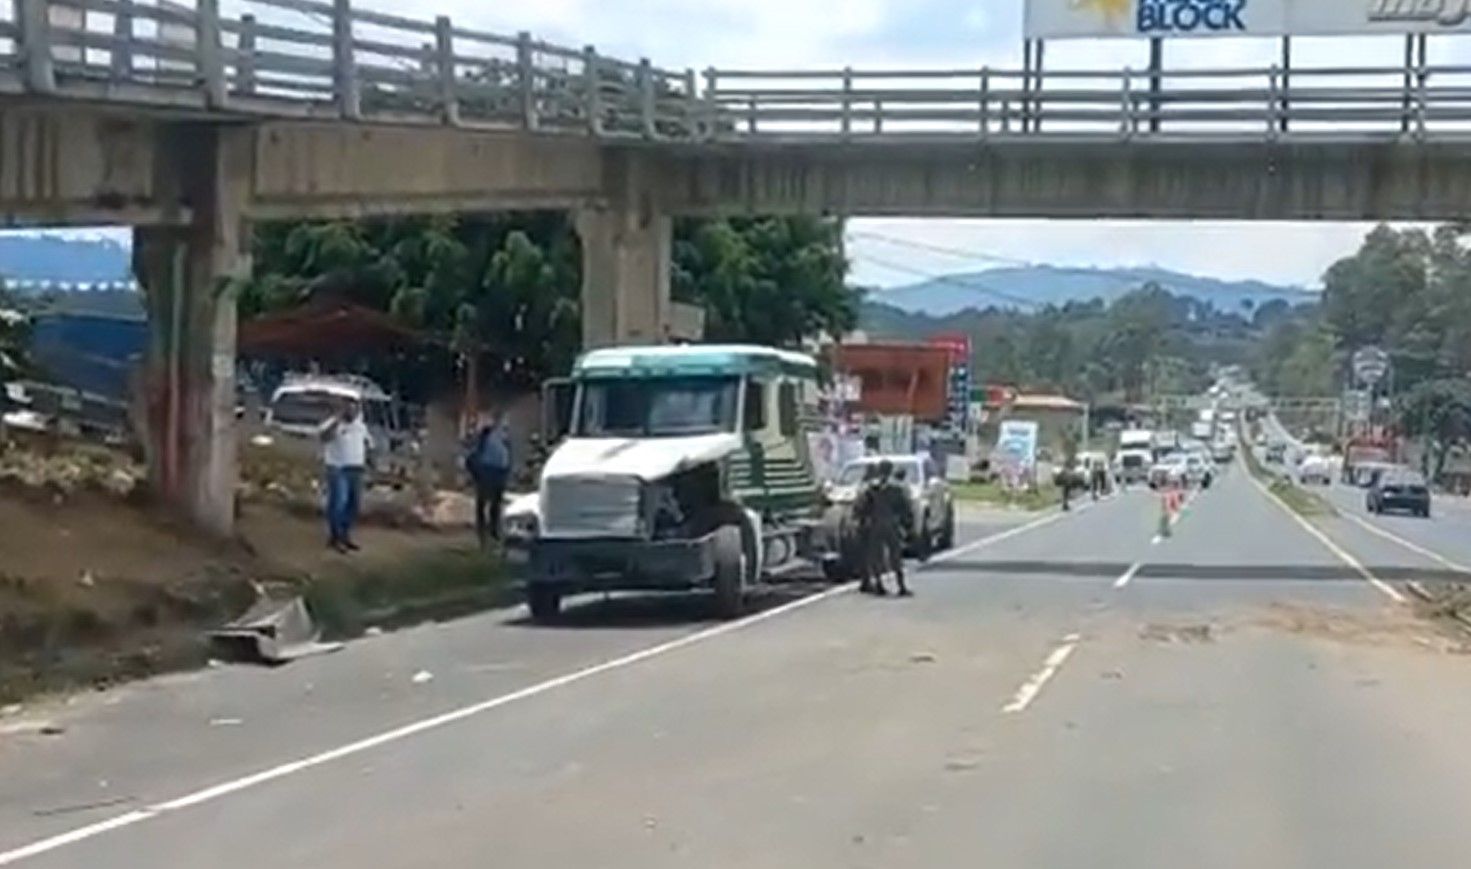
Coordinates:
column 330, row 59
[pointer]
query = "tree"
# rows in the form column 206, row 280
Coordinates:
column 506, row 288
column 15, row 328
column 774, row 280
column 1439, row 413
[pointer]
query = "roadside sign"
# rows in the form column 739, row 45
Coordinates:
column 1371, row 365
column 1061, row 19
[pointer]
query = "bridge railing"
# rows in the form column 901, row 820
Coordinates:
column 337, row 59
column 330, row 58
column 1257, row 103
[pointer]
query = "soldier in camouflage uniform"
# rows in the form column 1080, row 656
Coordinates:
column 885, row 521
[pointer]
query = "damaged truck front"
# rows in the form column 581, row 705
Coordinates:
column 682, row 468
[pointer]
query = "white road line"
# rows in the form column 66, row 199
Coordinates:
column 1408, row 544
column 1129, row 575
column 1028, row 692
column 401, row 733
column 1338, row 551
column 398, row 734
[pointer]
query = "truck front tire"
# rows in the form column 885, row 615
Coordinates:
column 730, row 573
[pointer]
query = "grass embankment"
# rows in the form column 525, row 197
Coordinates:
column 997, row 495
column 1304, row 503
column 424, row 586
column 97, row 587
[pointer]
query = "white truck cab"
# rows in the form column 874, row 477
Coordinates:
column 682, row 467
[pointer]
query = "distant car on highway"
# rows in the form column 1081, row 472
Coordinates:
column 1184, row 470
column 1399, row 489
column 1276, row 454
column 1316, row 470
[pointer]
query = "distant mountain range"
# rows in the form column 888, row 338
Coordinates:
column 1038, row 286
column 29, row 258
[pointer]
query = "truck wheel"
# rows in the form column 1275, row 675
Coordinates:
column 730, row 573
column 947, row 532
column 545, row 603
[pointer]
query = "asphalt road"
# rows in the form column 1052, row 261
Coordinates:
column 1077, row 692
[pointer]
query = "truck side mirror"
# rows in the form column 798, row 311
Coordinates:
column 556, row 409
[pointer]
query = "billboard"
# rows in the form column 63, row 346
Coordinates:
column 1016, row 447
column 1063, row 19
column 896, row 379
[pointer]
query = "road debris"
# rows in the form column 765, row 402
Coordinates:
column 272, row 631
column 86, row 580
column 1184, row 634
column 423, row 677
column 373, row 631
column 225, row 722
column 923, row 658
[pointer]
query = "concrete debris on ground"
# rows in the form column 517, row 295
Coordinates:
column 272, row 631
column 1202, row 633
column 68, row 468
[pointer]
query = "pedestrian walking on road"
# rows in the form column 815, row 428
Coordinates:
column 885, row 521
column 346, row 443
column 488, row 462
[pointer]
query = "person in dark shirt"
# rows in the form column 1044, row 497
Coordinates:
column 885, row 521
column 488, row 462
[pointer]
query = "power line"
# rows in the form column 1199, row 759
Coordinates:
column 980, row 256
column 1103, row 274
column 966, row 283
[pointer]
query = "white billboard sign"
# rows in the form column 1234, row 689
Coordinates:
column 1062, row 19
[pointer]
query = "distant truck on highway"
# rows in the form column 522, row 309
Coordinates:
column 681, row 468
column 1135, row 456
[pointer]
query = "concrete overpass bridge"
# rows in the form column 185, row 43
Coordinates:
column 190, row 121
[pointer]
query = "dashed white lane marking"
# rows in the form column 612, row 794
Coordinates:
column 1407, row 544
column 1129, row 575
column 286, row 769
column 1028, row 692
column 1338, row 551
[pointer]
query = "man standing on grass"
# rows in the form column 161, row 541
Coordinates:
column 488, row 462
column 345, row 446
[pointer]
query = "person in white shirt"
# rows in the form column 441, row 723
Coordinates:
column 345, row 446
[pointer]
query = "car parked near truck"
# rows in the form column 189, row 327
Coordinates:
column 930, row 499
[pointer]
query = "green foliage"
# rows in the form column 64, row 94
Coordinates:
column 508, row 287
column 1146, row 343
column 1410, row 293
column 1439, row 412
column 15, row 339
column 769, row 281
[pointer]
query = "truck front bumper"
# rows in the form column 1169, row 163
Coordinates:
column 621, row 565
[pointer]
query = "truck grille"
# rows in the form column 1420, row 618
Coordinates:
column 590, row 507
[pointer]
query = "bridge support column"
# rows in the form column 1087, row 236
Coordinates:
column 190, row 274
column 627, row 247
column 625, row 275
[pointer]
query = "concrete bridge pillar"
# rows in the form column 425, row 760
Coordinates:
column 190, row 271
column 627, row 249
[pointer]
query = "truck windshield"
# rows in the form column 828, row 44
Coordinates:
column 657, row 407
